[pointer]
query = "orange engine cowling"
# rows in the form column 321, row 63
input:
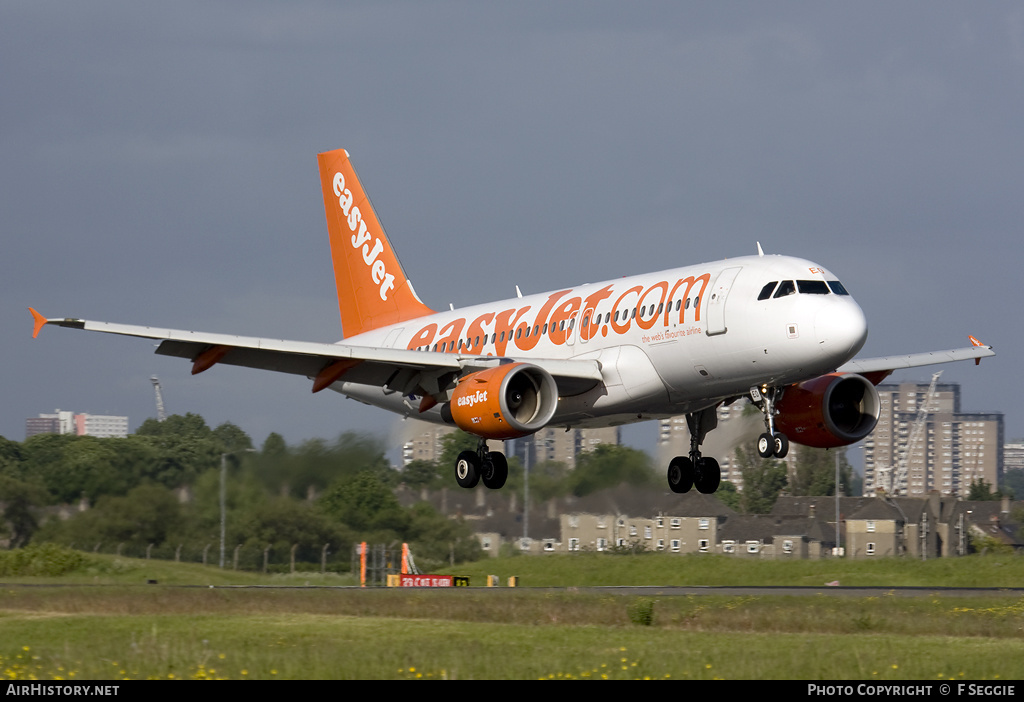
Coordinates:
column 504, row 402
column 828, row 411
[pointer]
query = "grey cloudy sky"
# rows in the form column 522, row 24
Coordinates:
column 157, row 166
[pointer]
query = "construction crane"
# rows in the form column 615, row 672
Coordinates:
column 892, row 479
column 161, row 415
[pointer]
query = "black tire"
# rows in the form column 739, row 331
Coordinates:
column 709, row 476
column 467, row 469
column 495, row 475
column 780, row 446
column 680, row 474
column 765, row 445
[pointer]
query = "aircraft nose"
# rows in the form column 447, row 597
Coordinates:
column 840, row 328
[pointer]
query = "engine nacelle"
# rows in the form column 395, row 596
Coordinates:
column 831, row 410
column 504, row 402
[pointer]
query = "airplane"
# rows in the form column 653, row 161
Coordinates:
column 780, row 330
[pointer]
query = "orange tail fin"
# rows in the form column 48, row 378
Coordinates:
column 372, row 288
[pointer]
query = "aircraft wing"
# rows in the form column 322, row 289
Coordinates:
column 397, row 370
column 878, row 369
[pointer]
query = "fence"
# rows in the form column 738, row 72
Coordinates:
column 266, row 558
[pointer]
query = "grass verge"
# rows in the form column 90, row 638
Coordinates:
column 165, row 632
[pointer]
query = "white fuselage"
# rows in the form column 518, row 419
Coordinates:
column 668, row 343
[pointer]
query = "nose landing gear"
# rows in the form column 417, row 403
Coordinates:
column 771, row 443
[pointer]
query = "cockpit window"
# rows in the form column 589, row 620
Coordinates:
column 837, row 287
column 786, row 287
column 766, row 291
column 812, row 287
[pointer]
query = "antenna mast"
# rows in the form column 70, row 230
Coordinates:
column 161, row 415
column 895, row 480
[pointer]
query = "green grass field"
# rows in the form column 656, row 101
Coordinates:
column 708, row 570
column 115, row 626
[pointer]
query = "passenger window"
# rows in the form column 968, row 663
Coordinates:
column 786, row 287
column 678, row 303
column 812, row 287
column 766, row 291
column 837, row 287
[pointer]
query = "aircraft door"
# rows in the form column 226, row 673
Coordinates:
column 571, row 329
column 717, row 298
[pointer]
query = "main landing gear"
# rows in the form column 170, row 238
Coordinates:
column 695, row 470
column 771, row 443
column 490, row 466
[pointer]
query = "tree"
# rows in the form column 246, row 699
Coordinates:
column 1017, row 517
column 424, row 474
column 71, row 467
column 763, row 481
column 148, row 514
column 185, row 447
column 20, row 499
column 232, row 439
column 548, row 479
column 1013, row 482
column 12, row 457
column 282, row 522
column 815, row 471
column 982, row 490
column 728, row 495
column 438, row 538
column 365, row 504
column 315, row 464
column 452, row 445
column 609, row 465
column 274, row 447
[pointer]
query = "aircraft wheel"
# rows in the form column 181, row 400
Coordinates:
column 780, row 445
column 708, row 476
column 495, row 475
column 765, row 445
column 680, row 474
column 467, row 469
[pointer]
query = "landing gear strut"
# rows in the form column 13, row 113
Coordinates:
column 695, row 470
column 489, row 466
column 771, row 443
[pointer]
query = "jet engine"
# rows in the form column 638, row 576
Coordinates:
column 504, row 402
column 828, row 411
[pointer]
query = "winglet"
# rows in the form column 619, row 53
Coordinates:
column 40, row 320
column 975, row 342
